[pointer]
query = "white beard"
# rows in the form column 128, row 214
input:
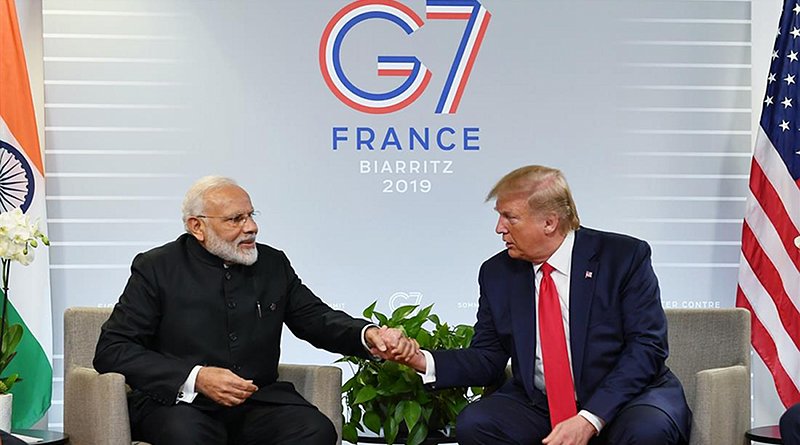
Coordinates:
column 230, row 251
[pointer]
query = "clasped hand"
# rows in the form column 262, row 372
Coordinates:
column 390, row 344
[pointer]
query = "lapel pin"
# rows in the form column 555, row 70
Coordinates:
column 588, row 274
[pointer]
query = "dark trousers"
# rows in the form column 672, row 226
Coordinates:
column 790, row 426
column 498, row 419
column 251, row 423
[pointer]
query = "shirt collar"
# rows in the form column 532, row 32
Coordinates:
column 561, row 259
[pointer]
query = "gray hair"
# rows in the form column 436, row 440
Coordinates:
column 194, row 202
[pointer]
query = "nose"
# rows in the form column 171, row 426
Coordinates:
column 250, row 226
column 500, row 228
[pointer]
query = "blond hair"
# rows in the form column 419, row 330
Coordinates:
column 546, row 189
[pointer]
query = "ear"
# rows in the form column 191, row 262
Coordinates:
column 551, row 224
column 196, row 228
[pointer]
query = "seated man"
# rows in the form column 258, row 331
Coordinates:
column 790, row 425
column 197, row 333
column 578, row 312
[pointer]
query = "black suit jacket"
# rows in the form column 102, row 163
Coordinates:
column 182, row 307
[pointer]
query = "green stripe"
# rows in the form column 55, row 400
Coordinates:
column 32, row 394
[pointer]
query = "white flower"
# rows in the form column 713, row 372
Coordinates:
column 18, row 236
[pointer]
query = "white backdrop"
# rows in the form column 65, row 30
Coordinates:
column 647, row 106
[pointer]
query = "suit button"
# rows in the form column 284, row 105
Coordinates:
column 233, row 336
column 231, row 304
column 237, row 367
column 227, row 275
column 273, row 306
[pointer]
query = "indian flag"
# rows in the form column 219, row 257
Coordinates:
column 22, row 186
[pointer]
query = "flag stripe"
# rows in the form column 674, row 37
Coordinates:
column 16, row 104
column 772, row 205
column 765, row 347
column 771, row 281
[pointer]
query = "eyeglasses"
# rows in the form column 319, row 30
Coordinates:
column 235, row 220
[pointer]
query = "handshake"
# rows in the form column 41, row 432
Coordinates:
column 391, row 344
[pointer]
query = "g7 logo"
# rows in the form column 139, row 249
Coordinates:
column 417, row 76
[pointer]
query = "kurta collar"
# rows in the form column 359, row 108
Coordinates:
column 198, row 251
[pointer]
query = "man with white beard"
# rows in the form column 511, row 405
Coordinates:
column 197, row 333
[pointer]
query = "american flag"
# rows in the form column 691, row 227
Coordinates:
column 769, row 273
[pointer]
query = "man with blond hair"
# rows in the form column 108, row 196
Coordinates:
column 578, row 313
column 197, row 333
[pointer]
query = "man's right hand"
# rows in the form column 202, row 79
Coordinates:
column 223, row 386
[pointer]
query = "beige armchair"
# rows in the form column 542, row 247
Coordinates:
column 95, row 405
column 709, row 351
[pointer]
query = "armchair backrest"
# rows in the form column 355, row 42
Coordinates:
column 81, row 332
column 706, row 339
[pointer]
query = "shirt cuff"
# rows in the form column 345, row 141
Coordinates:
column 596, row 422
column 187, row 393
column 429, row 376
column 364, row 333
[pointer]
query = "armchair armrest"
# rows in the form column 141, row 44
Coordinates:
column 320, row 385
column 96, row 408
column 722, row 406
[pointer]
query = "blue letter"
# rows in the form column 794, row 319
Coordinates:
column 337, row 138
column 439, row 138
column 413, row 134
column 468, row 136
column 361, row 141
column 391, row 134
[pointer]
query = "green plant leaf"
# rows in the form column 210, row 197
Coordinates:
column 411, row 413
column 349, row 433
column 402, row 312
column 390, row 430
column 372, row 421
column 369, row 310
column 418, row 434
column 365, row 394
column 382, row 320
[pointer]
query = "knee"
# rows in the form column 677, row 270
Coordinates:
column 790, row 421
column 659, row 432
column 174, row 432
column 471, row 425
column 320, row 431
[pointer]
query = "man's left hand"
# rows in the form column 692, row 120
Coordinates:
column 574, row 431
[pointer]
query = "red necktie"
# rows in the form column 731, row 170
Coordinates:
column 557, row 375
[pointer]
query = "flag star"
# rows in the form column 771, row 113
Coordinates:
column 787, row 102
column 784, row 125
column 792, row 56
column 774, row 54
column 795, row 32
column 768, row 100
column 796, row 8
column 789, row 79
column 771, row 78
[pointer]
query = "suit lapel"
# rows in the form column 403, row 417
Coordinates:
column 583, row 275
column 523, row 319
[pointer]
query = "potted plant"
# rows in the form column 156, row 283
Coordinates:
column 18, row 237
column 389, row 399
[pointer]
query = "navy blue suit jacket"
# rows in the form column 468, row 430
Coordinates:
column 618, row 331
